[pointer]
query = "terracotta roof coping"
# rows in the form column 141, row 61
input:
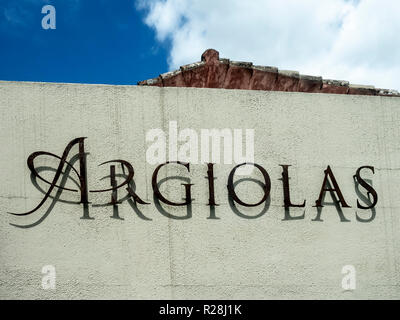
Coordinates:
column 215, row 72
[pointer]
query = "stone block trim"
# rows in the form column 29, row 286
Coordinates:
column 214, row 72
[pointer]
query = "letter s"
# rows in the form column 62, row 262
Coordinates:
column 369, row 188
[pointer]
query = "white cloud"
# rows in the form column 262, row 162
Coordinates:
column 358, row 41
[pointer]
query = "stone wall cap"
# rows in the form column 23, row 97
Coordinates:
column 211, row 61
column 266, row 68
column 342, row 83
column 360, row 86
column 242, row 64
column 170, row 74
column 153, row 81
column 191, row 66
column 289, row 73
column 388, row 92
column 224, row 60
column 311, row 78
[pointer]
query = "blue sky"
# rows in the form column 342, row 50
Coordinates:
column 94, row 42
column 125, row 41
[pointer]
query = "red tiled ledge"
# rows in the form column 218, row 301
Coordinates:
column 213, row 72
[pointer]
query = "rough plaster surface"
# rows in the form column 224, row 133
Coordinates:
column 199, row 258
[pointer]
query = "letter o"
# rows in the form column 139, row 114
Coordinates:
column 266, row 188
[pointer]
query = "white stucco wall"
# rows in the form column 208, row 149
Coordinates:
column 199, row 258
